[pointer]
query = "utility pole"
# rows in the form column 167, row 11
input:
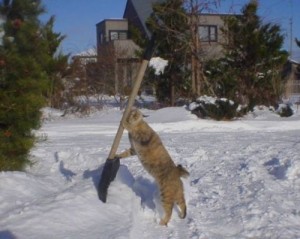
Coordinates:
column 291, row 28
column 291, row 36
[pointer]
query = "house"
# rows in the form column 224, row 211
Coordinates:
column 210, row 34
column 114, row 33
column 138, row 11
column 117, row 54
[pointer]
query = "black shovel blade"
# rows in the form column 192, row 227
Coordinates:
column 109, row 173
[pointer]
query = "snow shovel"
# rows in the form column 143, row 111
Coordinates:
column 112, row 163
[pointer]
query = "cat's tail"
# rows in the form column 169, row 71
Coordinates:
column 182, row 172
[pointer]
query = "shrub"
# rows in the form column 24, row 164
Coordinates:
column 218, row 109
column 284, row 110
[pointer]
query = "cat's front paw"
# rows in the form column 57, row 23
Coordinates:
column 125, row 125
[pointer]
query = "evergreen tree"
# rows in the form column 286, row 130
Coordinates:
column 54, row 63
column 27, row 63
column 169, row 22
column 250, row 70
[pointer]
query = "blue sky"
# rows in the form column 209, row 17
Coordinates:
column 77, row 19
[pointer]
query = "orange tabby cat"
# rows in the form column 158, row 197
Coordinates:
column 147, row 145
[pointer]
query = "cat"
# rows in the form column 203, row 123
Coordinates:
column 146, row 144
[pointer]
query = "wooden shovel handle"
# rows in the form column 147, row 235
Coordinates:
column 135, row 89
column 130, row 103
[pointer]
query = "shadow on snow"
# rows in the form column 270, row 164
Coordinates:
column 141, row 186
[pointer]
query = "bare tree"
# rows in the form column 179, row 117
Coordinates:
column 177, row 26
column 195, row 8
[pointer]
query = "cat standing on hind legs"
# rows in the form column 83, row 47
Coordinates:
column 146, row 144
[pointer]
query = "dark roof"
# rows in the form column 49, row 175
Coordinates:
column 138, row 11
column 293, row 61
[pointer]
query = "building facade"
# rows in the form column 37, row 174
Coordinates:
column 117, row 54
column 210, row 35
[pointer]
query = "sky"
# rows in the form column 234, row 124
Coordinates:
column 77, row 19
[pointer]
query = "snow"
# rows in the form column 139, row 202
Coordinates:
column 89, row 52
column 158, row 64
column 207, row 100
column 244, row 179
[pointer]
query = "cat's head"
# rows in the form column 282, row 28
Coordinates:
column 134, row 117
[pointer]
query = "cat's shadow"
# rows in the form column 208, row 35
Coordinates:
column 141, row 186
column 144, row 188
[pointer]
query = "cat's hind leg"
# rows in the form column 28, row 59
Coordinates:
column 168, row 207
column 180, row 201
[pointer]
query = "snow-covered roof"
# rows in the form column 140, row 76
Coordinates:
column 89, row 52
column 293, row 61
column 87, row 56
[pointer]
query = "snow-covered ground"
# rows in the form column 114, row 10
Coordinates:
column 244, row 180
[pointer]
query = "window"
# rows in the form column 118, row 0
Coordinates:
column 100, row 38
column 123, row 35
column 208, row 33
column 117, row 35
column 113, row 36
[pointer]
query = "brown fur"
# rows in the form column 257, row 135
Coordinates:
column 146, row 144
